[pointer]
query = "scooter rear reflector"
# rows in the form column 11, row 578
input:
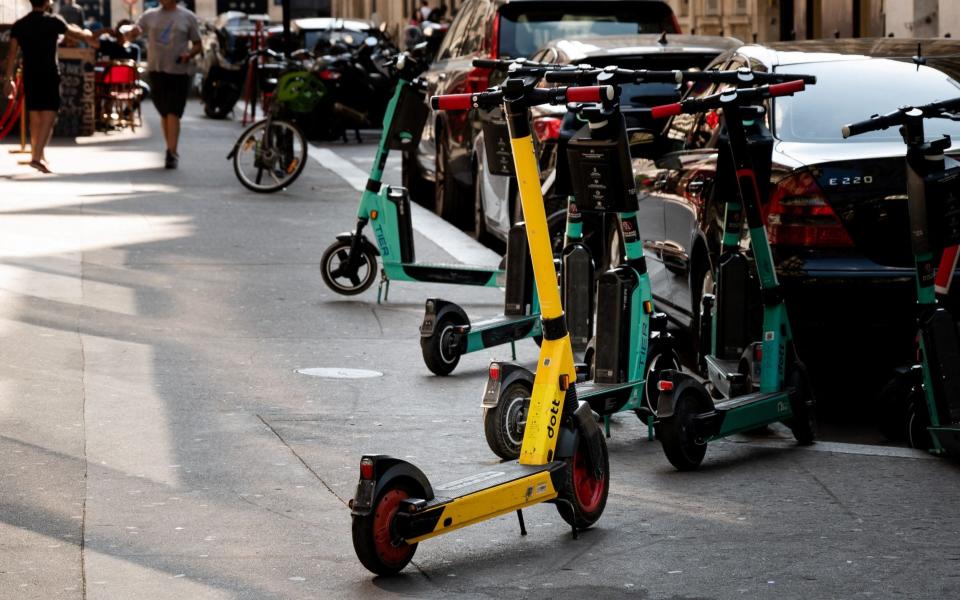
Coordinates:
column 366, row 468
column 665, row 386
column 494, row 371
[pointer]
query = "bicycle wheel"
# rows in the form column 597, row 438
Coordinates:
column 268, row 160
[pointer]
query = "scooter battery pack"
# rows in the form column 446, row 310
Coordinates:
column 942, row 344
column 600, row 173
column 733, row 305
column 577, row 293
column 496, row 142
column 614, row 306
column 401, row 199
column 519, row 288
column 942, row 191
column 408, row 118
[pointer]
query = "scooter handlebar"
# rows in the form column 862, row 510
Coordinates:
column 734, row 96
column 573, row 76
column 787, row 89
column 593, row 93
column 945, row 109
column 452, row 102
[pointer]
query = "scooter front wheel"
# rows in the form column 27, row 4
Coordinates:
column 439, row 354
column 343, row 278
column 268, row 159
column 677, row 433
column 585, row 491
column 375, row 540
column 503, row 425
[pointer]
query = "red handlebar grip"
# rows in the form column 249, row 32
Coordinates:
column 452, row 102
column 785, row 89
column 665, row 110
column 593, row 93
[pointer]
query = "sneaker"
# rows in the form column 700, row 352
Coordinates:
column 171, row 161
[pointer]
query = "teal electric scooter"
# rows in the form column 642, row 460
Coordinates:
column 931, row 400
column 349, row 265
column 631, row 346
column 447, row 333
column 749, row 384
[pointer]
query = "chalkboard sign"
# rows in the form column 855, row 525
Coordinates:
column 76, row 117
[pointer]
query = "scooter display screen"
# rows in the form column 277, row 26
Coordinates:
column 942, row 191
column 601, row 174
column 496, row 142
column 408, row 119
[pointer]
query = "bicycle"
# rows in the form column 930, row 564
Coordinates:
column 271, row 153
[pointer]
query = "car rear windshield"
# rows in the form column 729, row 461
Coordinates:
column 635, row 95
column 525, row 27
column 852, row 90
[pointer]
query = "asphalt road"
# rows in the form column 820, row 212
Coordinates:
column 158, row 441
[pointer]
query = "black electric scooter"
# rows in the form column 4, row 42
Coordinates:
column 931, row 399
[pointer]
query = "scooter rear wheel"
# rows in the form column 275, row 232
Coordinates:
column 585, row 494
column 676, row 432
column 661, row 358
column 375, row 541
column 503, row 425
column 336, row 272
column 439, row 357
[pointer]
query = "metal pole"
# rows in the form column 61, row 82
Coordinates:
column 287, row 38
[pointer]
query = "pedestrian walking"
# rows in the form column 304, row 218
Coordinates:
column 173, row 38
column 423, row 13
column 36, row 36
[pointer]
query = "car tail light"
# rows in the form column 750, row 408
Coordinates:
column 478, row 79
column 798, row 214
column 676, row 23
column 547, row 128
column 495, row 37
column 329, row 75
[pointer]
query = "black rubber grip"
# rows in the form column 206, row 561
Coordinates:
column 572, row 76
column 554, row 329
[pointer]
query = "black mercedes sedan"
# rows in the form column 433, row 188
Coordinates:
column 835, row 209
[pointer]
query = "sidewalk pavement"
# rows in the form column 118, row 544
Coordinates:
column 159, row 442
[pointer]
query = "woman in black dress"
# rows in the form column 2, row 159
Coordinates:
column 36, row 36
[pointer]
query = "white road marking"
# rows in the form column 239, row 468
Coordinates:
column 339, row 373
column 454, row 242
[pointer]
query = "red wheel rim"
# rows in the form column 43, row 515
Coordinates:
column 586, row 486
column 390, row 549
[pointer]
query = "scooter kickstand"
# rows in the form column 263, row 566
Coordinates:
column 523, row 528
column 606, row 428
column 380, row 288
column 650, row 435
column 513, row 350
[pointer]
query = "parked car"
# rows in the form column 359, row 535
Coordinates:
column 495, row 204
column 836, row 209
column 442, row 164
column 320, row 34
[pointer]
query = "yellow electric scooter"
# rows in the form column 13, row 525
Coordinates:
column 563, row 458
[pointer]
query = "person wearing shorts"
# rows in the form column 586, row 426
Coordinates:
column 36, row 36
column 173, row 38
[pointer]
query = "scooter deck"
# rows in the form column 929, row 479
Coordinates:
column 746, row 412
column 606, row 398
column 507, row 321
column 497, row 491
column 446, row 273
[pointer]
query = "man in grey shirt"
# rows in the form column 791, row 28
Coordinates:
column 173, row 38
